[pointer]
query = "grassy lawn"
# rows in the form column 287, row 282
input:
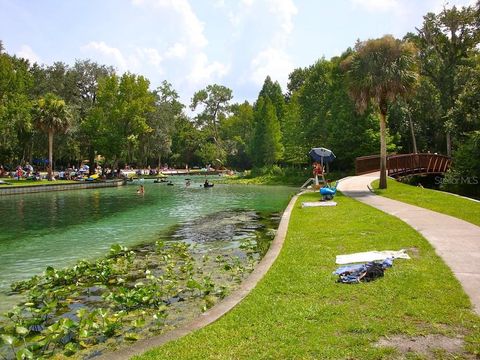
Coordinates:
column 14, row 183
column 299, row 311
column 264, row 180
column 439, row 201
column 290, row 179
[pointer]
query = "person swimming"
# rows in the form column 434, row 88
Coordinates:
column 141, row 190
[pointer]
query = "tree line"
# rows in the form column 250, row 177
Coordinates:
column 416, row 94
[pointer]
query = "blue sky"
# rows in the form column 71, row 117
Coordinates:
column 193, row 43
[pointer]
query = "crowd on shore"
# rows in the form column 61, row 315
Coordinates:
column 84, row 172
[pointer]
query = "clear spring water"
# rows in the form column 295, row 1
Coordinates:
column 59, row 228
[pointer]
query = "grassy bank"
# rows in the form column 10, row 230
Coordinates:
column 299, row 311
column 15, row 183
column 268, row 179
column 439, row 201
column 276, row 176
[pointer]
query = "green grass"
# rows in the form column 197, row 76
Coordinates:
column 298, row 311
column 439, row 201
column 265, row 180
column 290, row 179
column 16, row 183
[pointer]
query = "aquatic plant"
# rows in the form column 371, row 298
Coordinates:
column 120, row 296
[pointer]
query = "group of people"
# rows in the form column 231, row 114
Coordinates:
column 25, row 172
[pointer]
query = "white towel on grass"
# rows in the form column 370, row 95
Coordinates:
column 371, row 256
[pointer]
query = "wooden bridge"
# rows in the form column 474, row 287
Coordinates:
column 404, row 164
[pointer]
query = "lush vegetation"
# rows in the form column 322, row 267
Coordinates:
column 130, row 294
column 299, row 311
column 420, row 93
column 439, row 201
column 381, row 72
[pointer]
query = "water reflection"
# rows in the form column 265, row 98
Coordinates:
column 38, row 230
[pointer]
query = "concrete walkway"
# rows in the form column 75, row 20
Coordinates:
column 456, row 241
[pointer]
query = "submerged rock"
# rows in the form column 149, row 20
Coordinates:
column 221, row 226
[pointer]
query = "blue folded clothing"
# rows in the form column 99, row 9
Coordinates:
column 351, row 274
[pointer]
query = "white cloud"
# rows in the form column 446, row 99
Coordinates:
column 190, row 24
column 108, row 52
column 27, row 52
column 178, row 50
column 285, row 10
column 203, row 71
column 438, row 5
column 274, row 62
column 132, row 62
column 191, row 40
column 377, row 5
column 219, row 3
column 152, row 55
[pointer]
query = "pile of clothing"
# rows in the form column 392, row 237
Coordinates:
column 351, row 274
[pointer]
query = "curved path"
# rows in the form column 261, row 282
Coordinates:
column 221, row 308
column 456, row 241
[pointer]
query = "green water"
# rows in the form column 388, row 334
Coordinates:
column 59, row 228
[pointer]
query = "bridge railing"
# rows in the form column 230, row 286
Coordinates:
column 405, row 164
column 367, row 164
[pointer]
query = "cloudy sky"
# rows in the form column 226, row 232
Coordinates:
column 193, row 43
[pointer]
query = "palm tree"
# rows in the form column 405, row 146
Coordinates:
column 51, row 116
column 379, row 72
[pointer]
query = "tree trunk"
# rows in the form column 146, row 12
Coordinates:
column 91, row 160
column 383, row 151
column 449, row 144
column 414, row 141
column 50, row 155
column 159, row 162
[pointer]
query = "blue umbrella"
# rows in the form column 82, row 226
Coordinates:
column 322, row 155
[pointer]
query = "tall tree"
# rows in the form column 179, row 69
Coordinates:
column 237, row 132
column 51, row 115
column 83, row 79
column 379, row 72
column 162, row 120
column 445, row 42
column 273, row 91
column 215, row 100
column 266, row 146
column 123, row 106
column 15, row 106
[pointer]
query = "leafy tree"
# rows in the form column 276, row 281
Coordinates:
column 445, row 42
column 273, row 91
column 158, row 142
column 83, row 79
column 237, row 130
column 379, row 72
column 466, row 113
column 296, row 148
column 123, row 106
column 214, row 99
column 464, row 176
column 15, row 106
column 296, row 79
column 51, row 115
column 186, row 140
column 345, row 131
column 266, row 146
column 314, row 103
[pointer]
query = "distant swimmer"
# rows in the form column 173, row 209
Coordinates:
column 141, row 190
